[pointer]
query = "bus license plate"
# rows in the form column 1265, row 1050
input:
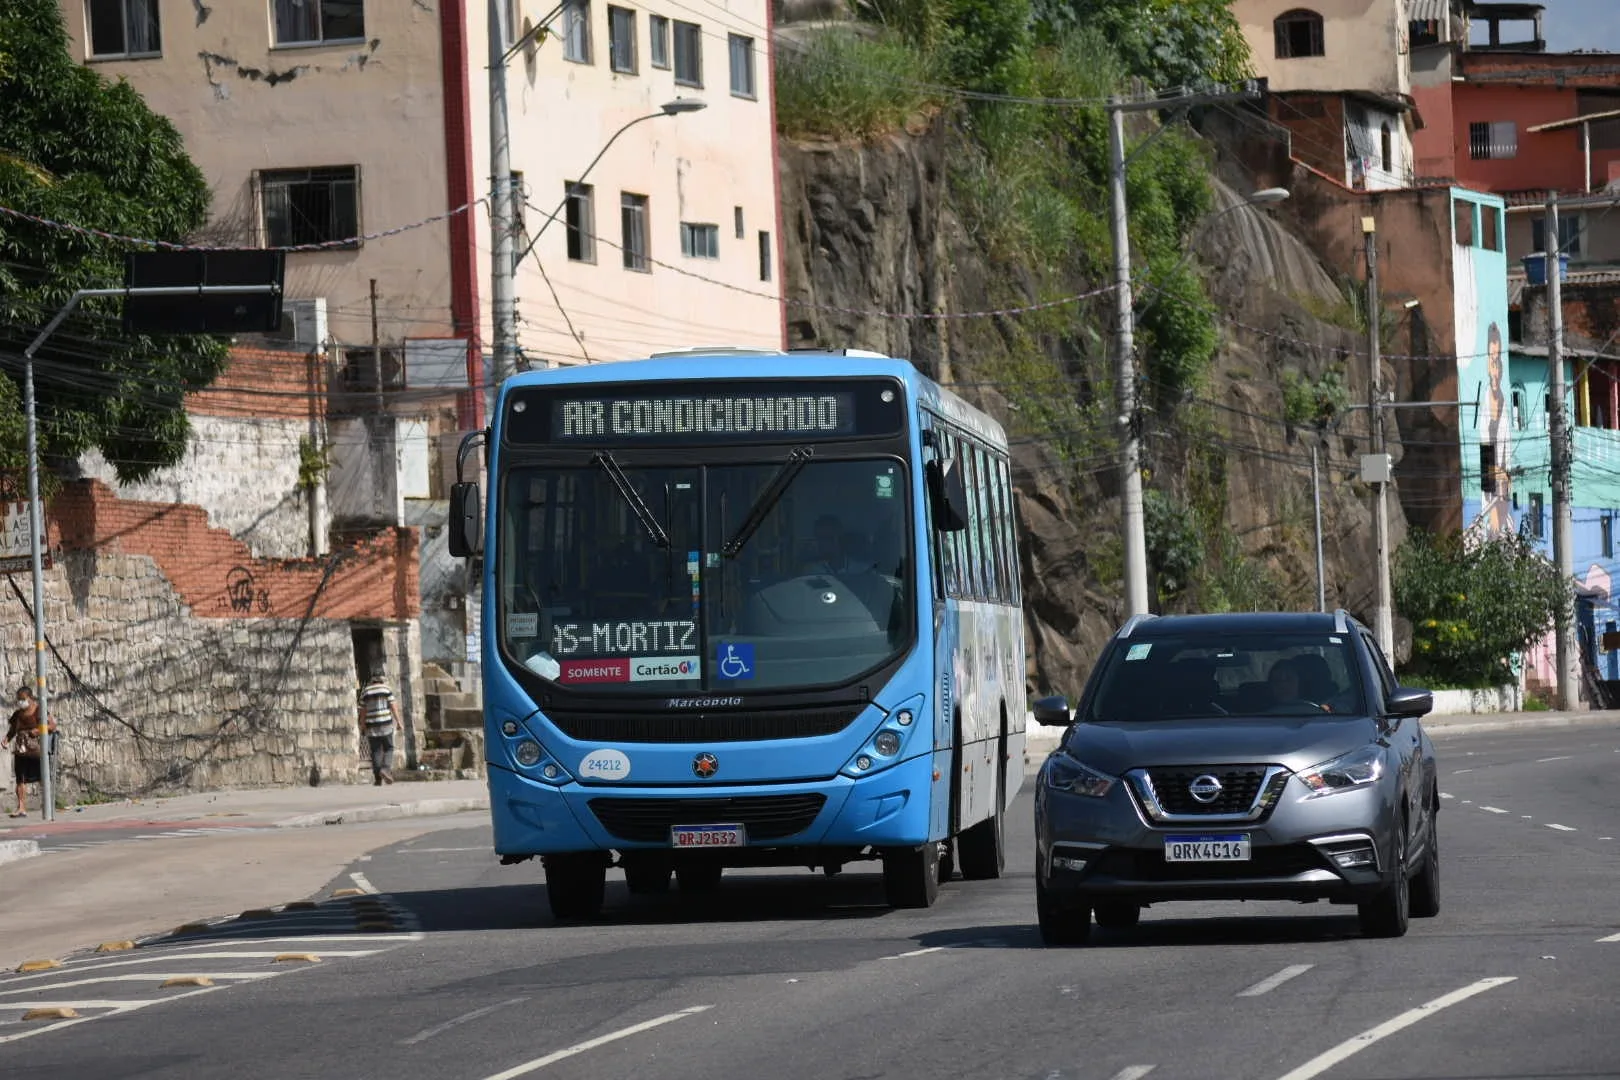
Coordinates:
column 690, row 836
column 1232, row 847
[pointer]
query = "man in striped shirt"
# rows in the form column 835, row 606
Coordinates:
column 379, row 719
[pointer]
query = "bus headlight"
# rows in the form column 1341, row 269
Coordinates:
column 527, row 752
column 887, row 743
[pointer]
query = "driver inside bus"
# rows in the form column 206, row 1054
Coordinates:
column 835, row 553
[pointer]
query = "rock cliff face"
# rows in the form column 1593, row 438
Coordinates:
column 877, row 259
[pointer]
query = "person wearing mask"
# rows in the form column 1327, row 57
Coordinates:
column 22, row 736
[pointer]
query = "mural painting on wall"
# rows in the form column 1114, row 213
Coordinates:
column 1480, row 281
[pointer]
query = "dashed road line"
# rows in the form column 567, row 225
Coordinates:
column 1354, row 1045
column 914, row 952
column 601, row 1040
column 1561, row 828
column 437, row 1029
column 1447, row 795
column 1134, row 1072
column 362, row 882
column 1560, row 757
column 1271, row 982
column 1606, row 940
column 1494, row 810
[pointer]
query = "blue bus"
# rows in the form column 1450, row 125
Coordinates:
column 745, row 609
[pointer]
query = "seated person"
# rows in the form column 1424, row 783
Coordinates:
column 1286, row 695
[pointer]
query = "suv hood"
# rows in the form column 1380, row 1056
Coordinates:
column 1296, row 742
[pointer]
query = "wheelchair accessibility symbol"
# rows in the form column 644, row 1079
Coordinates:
column 735, row 661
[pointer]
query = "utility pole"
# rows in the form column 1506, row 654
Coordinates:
column 1130, row 449
column 376, row 355
column 1558, row 429
column 503, row 358
column 1316, row 506
column 1379, row 468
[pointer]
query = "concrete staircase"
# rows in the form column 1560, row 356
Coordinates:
column 453, row 744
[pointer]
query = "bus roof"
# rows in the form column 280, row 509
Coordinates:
column 735, row 362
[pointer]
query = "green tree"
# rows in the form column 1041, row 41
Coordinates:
column 1164, row 42
column 77, row 149
column 1174, row 549
column 1474, row 602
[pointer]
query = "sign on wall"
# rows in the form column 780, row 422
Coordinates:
column 16, row 553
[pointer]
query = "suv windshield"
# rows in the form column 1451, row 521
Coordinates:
column 624, row 576
column 1202, row 676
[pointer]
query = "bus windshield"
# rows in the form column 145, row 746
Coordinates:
column 626, row 575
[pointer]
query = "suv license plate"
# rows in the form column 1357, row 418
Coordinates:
column 690, row 836
column 1225, row 848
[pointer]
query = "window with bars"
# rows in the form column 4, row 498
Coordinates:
column 658, row 40
column 622, row 40
column 580, row 207
column 688, row 54
column 742, row 65
column 1299, row 34
column 700, row 241
column 1569, row 234
column 576, row 35
column 312, row 22
column 633, row 226
column 1495, row 140
column 123, row 28
column 310, row 206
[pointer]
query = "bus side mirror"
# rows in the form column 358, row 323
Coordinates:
column 466, row 523
column 947, row 496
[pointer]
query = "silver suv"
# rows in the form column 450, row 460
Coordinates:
column 1237, row 757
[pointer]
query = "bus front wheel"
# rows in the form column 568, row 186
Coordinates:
column 575, row 882
column 911, row 876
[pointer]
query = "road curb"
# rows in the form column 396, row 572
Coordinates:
column 15, row 850
column 1498, row 723
column 386, row 812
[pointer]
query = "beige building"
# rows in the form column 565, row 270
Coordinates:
column 355, row 133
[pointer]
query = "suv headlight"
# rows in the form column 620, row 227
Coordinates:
column 1065, row 772
column 1347, row 772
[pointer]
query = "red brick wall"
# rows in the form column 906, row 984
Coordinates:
column 216, row 575
column 264, row 384
column 1316, row 122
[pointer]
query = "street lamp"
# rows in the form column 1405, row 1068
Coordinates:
column 1135, row 524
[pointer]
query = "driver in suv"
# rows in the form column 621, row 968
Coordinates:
column 1238, row 757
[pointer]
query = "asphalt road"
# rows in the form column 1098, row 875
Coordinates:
column 456, row 971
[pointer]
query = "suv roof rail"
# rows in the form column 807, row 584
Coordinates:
column 1133, row 622
column 1341, row 621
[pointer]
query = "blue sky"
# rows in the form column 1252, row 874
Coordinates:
column 1581, row 24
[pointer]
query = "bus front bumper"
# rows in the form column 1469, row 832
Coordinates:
column 888, row 809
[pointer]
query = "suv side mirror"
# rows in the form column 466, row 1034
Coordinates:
column 1409, row 701
column 947, row 495
column 466, row 522
column 1052, row 711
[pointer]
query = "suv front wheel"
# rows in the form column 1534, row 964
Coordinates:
column 1065, row 922
column 1386, row 914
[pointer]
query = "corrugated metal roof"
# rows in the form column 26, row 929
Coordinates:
column 1420, row 10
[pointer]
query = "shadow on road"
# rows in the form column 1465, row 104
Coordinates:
column 1163, row 932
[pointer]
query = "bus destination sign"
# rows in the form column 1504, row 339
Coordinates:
column 756, row 411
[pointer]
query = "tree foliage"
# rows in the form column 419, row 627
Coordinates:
column 1474, row 602
column 75, row 148
column 1166, row 43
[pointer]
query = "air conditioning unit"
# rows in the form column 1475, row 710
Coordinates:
column 303, row 322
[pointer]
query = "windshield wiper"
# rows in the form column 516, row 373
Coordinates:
column 767, row 499
column 643, row 513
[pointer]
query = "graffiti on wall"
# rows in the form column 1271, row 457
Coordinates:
column 1488, row 433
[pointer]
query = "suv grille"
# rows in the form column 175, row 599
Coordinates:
column 766, row 817
column 1239, row 786
column 660, row 726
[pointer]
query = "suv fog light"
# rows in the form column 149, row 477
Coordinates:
column 527, row 752
column 509, row 727
column 863, row 763
column 887, row 743
column 1067, row 862
column 1355, row 857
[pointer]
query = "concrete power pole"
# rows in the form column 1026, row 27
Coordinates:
column 1378, row 469
column 1558, row 428
column 1130, row 458
column 503, row 351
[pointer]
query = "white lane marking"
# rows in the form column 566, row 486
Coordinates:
column 462, row 1019
column 1561, row 757
column 914, row 952
column 90, row 1003
column 1271, row 982
column 1493, row 809
column 601, row 1040
column 1561, row 828
column 185, row 953
column 362, row 883
column 119, row 1008
column 1611, row 937
column 1321, row 1063
column 1134, row 1072
column 142, row 977
column 1459, row 772
column 1447, row 795
column 1605, row 838
column 437, row 850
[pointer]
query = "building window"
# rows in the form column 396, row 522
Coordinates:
column 633, row 224
column 1299, row 34
column 1533, row 520
column 1520, row 420
column 581, row 222
column 742, row 65
column 1497, row 140
column 1421, row 32
column 1386, row 146
column 1463, row 223
column 576, row 15
column 622, row 40
column 123, row 27
column 688, row 53
column 310, row 22
column 737, row 217
column 700, row 241
column 1569, row 234
column 310, row 206
column 766, row 262
column 658, row 40
column 1490, row 228
column 360, row 374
